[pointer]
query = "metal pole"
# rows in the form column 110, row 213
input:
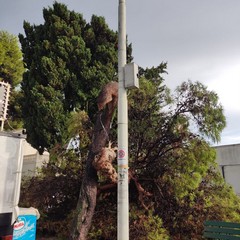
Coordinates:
column 123, row 205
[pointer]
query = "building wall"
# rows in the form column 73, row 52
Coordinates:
column 32, row 160
column 228, row 159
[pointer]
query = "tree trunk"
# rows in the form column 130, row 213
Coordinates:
column 88, row 192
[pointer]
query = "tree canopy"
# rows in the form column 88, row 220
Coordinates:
column 11, row 71
column 67, row 61
column 11, row 64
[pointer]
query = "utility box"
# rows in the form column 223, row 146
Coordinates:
column 131, row 76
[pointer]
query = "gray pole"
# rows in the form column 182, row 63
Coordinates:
column 123, row 205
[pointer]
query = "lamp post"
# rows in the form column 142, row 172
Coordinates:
column 123, row 204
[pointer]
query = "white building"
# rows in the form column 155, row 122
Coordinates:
column 32, row 160
column 228, row 159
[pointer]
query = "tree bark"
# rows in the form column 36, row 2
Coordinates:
column 88, row 192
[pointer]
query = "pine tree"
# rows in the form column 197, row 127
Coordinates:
column 68, row 61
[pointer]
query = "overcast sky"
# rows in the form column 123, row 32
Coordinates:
column 200, row 40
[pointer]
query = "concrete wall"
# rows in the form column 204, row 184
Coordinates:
column 228, row 158
column 32, row 160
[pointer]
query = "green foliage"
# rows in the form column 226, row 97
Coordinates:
column 14, row 111
column 143, row 224
column 146, row 225
column 57, row 185
column 68, row 61
column 219, row 198
column 167, row 144
column 153, row 228
column 203, row 105
column 11, row 70
column 11, row 64
column 79, row 124
column 168, row 160
column 54, row 192
column 189, row 165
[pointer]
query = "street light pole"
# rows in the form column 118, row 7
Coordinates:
column 123, row 204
